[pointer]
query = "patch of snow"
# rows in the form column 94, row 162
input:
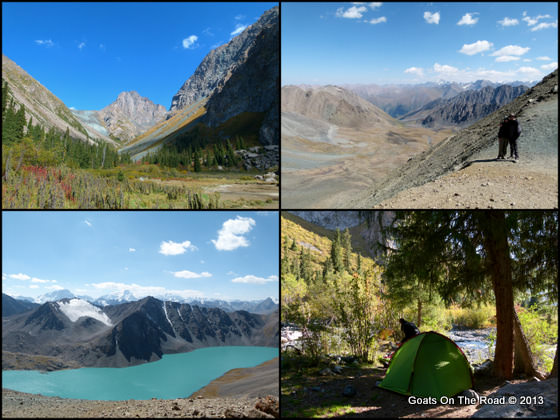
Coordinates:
column 74, row 309
column 167, row 316
column 180, row 316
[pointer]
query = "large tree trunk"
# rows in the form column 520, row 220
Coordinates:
column 494, row 230
column 524, row 362
column 554, row 371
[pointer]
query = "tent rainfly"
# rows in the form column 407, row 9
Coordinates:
column 428, row 365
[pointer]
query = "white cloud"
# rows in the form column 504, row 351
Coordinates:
column 508, row 22
column 378, row 20
column 544, row 58
column 36, row 280
column 550, row 66
column 415, row 70
column 527, row 60
column 239, row 17
column 431, row 17
column 533, row 21
column 506, row 58
column 544, row 25
column 445, row 68
column 174, row 248
column 511, row 50
column 46, row 42
column 468, row 19
column 238, row 29
column 189, row 42
column 255, row 279
column 230, row 236
column 33, row 286
column 54, row 287
column 87, row 222
column 185, row 274
column 476, row 47
column 81, row 45
column 143, row 291
column 19, row 276
column 131, row 250
column 354, row 12
column 374, row 6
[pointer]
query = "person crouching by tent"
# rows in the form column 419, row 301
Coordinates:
column 409, row 329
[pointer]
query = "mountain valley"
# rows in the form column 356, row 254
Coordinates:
column 463, row 171
column 216, row 147
column 335, row 144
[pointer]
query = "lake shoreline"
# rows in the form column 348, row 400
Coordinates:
column 199, row 404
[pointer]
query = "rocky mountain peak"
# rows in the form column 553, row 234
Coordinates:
column 130, row 115
column 217, row 67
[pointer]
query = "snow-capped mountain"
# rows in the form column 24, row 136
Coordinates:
column 54, row 296
column 115, row 298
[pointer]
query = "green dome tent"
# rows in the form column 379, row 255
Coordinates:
column 428, row 365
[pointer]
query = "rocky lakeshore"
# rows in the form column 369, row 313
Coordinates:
column 21, row 404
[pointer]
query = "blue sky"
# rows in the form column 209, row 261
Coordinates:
column 87, row 53
column 381, row 43
column 217, row 255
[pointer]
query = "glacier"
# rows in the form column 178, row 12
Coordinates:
column 74, row 309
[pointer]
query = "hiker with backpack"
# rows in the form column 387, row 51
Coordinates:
column 513, row 131
column 502, row 139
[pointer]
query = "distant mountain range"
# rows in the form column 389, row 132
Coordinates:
column 465, row 108
column 263, row 306
column 127, row 117
column 76, row 331
column 401, row 99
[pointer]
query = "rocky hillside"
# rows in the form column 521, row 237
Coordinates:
column 127, row 117
column 476, row 145
column 464, row 108
column 234, row 91
column 44, row 107
column 334, row 105
column 11, row 306
column 365, row 237
column 73, row 330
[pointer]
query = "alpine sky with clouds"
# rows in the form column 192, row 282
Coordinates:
column 213, row 255
column 381, row 43
column 88, row 53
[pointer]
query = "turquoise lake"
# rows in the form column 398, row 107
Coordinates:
column 174, row 376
